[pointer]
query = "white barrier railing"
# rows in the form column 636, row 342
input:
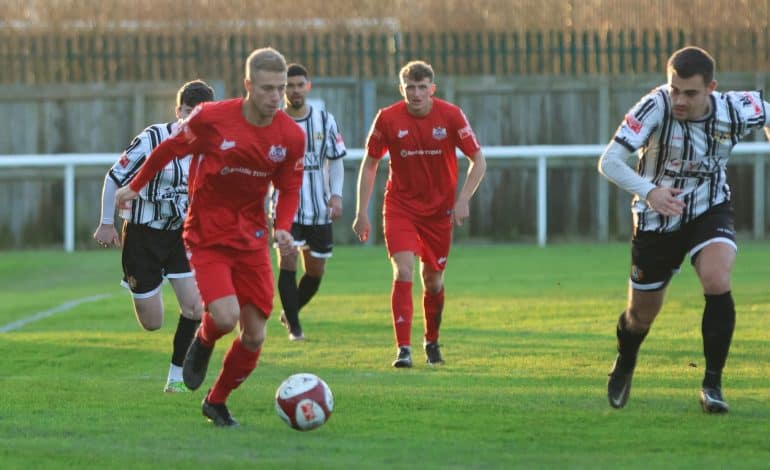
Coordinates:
column 540, row 153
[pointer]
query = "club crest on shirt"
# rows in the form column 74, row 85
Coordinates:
column 277, row 153
column 465, row 132
column 748, row 101
column 124, row 160
column 722, row 137
column 439, row 133
column 633, row 124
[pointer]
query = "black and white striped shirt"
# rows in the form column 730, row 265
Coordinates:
column 162, row 203
column 689, row 155
column 323, row 142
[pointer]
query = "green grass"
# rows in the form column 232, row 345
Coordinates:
column 528, row 337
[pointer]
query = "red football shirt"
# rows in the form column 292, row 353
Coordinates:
column 233, row 164
column 423, row 161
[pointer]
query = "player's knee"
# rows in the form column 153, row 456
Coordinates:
column 149, row 319
column 191, row 309
column 289, row 261
column 252, row 338
column 315, row 271
column 640, row 320
column 433, row 286
column 252, row 342
column 402, row 272
column 716, row 281
column 226, row 322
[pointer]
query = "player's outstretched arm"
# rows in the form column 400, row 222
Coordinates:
column 366, row 174
column 476, row 171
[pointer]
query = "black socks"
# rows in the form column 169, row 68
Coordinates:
column 308, row 286
column 185, row 330
column 717, row 328
column 287, row 289
column 628, row 344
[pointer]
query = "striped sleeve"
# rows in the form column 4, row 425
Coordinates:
column 640, row 122
column 335, row 146
column 124, row 170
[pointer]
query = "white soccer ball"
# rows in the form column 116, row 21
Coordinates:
column 304, row 401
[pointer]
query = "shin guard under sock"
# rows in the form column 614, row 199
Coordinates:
column 628, row 343
column 209, row 333
column 185, row 331
column 308, row 286
column 287, row 290
column 717, row 327
column 236, row 367
column 402, row 311
column 432, row 307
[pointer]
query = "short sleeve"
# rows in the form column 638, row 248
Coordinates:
column 376, row 144
column 466, row 138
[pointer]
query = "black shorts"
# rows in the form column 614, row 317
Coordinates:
column 316, row 238
column 656, row 257
column 149, row 255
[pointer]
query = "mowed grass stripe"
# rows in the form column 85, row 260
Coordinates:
column 528, row 336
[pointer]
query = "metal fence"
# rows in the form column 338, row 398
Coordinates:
column 752, row 153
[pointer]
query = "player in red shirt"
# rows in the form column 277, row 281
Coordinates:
column 239, row 147
column 421, row 134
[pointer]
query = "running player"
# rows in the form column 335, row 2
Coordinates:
column 320, row 200
column 686, row 131
column 152, row 232
column 239, row 148
column 421, row 134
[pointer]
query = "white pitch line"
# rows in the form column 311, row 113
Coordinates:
column 53, row 311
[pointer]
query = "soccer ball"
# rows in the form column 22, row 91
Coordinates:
column 304, row 401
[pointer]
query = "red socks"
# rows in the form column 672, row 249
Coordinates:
column 433, row 305
column 238, row 364
column 208, row 333
column 402, row 310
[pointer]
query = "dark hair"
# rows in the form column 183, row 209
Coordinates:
column 296, row 70
column 194, row 93
column 691, row 61
column 416, row 70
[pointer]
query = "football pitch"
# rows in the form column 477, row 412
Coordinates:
column 527, row 335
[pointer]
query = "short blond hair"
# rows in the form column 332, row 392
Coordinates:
column 267, row 59
column 416, row 70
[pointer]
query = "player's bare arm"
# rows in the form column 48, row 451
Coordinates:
column 476, row 171
column 366, row 174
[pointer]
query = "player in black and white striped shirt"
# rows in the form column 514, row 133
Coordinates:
column 152, row 232
column 320, row 200
column 684, row 131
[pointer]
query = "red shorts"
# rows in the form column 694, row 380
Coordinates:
column 428, row 238
column 246, row 274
